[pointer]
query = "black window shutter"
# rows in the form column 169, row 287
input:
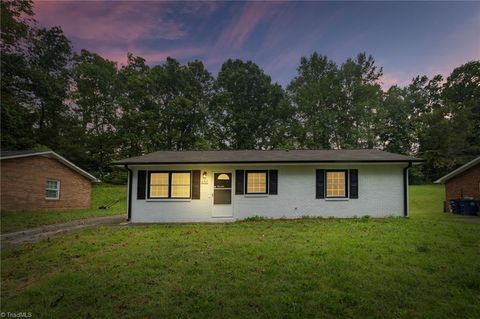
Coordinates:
column 273, row 179
column 354, row 183
column 196, row 184
column 141, row 184
column 320, row 184
column 239, row 176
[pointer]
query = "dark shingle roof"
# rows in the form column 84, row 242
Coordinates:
column 270, row 156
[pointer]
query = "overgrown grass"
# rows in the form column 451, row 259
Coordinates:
column 427, row 266
column 102, row 194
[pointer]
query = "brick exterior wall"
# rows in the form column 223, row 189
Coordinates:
column 466, row 182
column 23, row 182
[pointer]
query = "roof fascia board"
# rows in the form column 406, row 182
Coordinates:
column 26, row 155
column 267, row 162
column 459, row 170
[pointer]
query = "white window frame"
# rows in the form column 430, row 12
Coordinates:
column 57, row 189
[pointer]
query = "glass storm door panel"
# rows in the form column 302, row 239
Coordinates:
column 222, row 194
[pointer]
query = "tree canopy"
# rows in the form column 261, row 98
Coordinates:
column 94, row 111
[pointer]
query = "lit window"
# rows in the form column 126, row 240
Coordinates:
column 336, row 184
column 256, row 182
column 52, row 189
column 181, row 185
column 169, row 185
column 158, row 185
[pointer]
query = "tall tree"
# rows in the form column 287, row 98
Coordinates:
column 179, row 110
column 16, row 31
column 396, row 129
column 134, row 99
column 314, row 95
column 246, row 106
column 94, row 87
column 357, row 113
column 451, row 121
column 50, row 62
column 462, row 96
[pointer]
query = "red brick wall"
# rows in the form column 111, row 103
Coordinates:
column 468, row 182
column 23, row 183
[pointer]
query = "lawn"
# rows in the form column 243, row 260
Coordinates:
column 426, row 266
column 102, row 194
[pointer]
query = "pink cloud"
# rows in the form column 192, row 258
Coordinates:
column 234, row 36
column 111, row 22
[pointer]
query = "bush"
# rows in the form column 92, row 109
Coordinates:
column 255, row 218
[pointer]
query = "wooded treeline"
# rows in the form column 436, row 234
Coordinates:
column 92, row 111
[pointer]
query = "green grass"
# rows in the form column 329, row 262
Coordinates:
column 427, row 266
column 427, row 201
column 101, row 194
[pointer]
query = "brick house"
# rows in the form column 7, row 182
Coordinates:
column 464, row 182
column 42, row 180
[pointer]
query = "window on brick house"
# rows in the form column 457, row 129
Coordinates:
column 52, row 189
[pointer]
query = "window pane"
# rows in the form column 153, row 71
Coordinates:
column 158, row 185
column 180, row 178
column 257, row 182
column 180, row 185
column 52, row 184
column 180, row 191
column 51, row 194
column 159, row 191
column 159, row 179
column 336, row 184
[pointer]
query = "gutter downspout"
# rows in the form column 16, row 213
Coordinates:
column 405, row 189
column 129, row 203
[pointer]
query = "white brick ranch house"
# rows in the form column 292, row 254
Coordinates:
column 220, row 186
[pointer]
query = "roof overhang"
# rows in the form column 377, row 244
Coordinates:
column 61, row 159
column 458, row 171
column 123, row 164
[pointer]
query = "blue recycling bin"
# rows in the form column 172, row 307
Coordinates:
column 468, row 207
column 455, row 206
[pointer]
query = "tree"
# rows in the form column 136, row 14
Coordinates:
column 177, row 119
column 462, row 97
column 245, row 107
column 16, row 120
column 50, row 57
column 94, row 93
column 314, row 95
column 133, row 99
column 450, row 134
column 357, row 112
column 396, row 130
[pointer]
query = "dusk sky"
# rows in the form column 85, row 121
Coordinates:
column 406, row 38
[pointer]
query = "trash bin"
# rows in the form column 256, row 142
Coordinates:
column 455, row 206
column 468, row 207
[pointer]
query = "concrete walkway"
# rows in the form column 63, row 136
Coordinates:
column 36, row 234
column 474, row 220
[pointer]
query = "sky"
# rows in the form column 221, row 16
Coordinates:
column 405, row 38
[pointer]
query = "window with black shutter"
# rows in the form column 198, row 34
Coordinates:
column 239, row 177
column 273, row 181
column 196, row 184
column 320, row 183
column 354, row 183
column 141, row 184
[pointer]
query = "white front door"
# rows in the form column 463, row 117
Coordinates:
column 222, row 194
